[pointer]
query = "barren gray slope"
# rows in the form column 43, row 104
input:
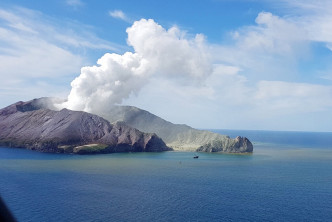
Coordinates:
column 28, row 125
column 178, row 136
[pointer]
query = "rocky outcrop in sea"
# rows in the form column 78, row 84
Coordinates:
column 237, row 145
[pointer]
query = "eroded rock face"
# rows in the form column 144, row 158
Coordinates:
column 178, row 136
column 228, row 145
column 30, row 125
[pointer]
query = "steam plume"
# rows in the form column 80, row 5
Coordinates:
column 157, row 52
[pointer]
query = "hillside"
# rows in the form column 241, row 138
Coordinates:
column 31, row 125
column 178, row 136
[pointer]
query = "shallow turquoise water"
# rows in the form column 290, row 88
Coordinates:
column 276, row 183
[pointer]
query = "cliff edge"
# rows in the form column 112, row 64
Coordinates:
column 178, row 136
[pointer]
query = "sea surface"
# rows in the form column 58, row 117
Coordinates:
column 287, row 178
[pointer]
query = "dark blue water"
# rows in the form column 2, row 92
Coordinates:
column 280, row 181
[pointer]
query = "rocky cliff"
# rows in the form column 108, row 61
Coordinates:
column 178, row 136
column 35, row 126
column 237, row 145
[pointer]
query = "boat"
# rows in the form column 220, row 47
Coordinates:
column 196, row 157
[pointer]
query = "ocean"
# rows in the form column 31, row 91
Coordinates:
column 287, row 178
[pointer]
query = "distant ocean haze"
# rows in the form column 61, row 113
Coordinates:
column 285, row 138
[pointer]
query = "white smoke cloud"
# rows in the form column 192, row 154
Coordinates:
column 99, row 87
column 157, row 52
column 170, row 52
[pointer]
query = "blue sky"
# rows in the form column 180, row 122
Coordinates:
column 241, row 64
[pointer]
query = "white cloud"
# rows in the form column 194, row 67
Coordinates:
column 228, row 99
column 118, row 14
column 276, row 46
column 312, row 16
column 22, row 45
column 33, row 48
column 287, row 98
column 273, row 43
